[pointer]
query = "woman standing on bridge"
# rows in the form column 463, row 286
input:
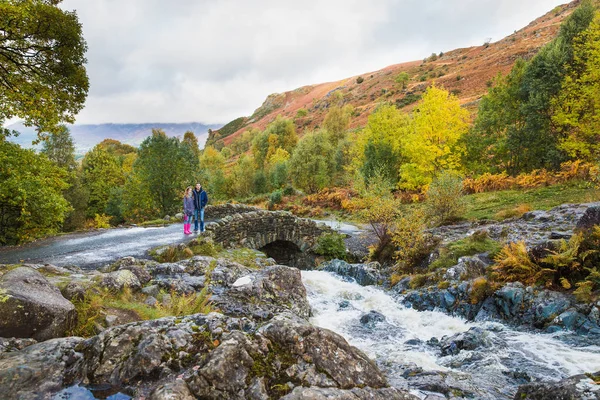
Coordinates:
column 188, row 210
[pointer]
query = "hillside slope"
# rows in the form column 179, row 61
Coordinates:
column 465, row 72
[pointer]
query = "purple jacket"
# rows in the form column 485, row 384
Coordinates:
column 188, row 205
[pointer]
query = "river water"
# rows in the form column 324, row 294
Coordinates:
column 492, row 372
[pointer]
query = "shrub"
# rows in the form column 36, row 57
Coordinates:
column 412, row 244
column 276, row 197
column 302, row 112
column 360, row 80
column 514, row 264
column 445, row 202
column 288, row 190
column 480, row 290
column 102, row 221
column 443, row 285
column 331, row 245
column 570, row 170
column 408, row 99
column 93, row 308
column 418, row 280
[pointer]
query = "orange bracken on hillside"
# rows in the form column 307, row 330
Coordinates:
column 466, row 72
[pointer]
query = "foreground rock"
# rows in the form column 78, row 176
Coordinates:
column 30, row 307
column 578, row 387
column 40, row 369
column 201, row 356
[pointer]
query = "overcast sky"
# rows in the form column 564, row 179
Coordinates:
column 214, row 60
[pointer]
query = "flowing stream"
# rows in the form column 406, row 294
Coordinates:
column 398, row 344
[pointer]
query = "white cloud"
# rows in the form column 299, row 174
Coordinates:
column 212, row 61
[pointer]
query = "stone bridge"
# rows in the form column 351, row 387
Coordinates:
column 279, row 234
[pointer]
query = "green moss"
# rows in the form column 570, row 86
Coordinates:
column 469, row 246
column 4, row 296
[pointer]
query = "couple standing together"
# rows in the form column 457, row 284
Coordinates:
column 194, row 202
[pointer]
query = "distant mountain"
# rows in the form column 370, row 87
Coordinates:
column 87, row 136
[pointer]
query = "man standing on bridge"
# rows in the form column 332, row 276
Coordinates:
column 200, row 200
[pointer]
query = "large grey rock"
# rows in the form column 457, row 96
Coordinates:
column 364, row 274
column 177, row 390
column 590, row 218
column 118, row 280
column 470, row 340
column 347, row 366
column 302, row 393
column 578, row 387
column 30, row 307
column 262, row 294
column 40, row 369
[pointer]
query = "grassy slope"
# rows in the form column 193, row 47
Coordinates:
column 486, row 205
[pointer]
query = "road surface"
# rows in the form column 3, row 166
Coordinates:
column 95, row 249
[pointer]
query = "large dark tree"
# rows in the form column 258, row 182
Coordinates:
column 42, row 55
column 165, row 166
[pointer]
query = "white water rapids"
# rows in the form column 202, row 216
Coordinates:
column 490, row 371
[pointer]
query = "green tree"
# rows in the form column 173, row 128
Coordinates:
column 337, row 121
column 242, row 175
column 279, row 134
column 192, row 141
column 31, row 200
column 377, row 149
column 577, row 107
column 60, row 149
column 528, row 139
column 491, row 143
column 101, row 173
column 402, row 79
column 212, row 173
column 278, row 169
column 312, row 165
column 166, row 167
column 42, row 55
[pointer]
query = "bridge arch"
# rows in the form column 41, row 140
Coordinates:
column 279, row 234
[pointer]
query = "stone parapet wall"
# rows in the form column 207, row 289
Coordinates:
column 258, row 228
column 220, row 211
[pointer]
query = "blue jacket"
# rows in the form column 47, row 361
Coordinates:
column 200, row 198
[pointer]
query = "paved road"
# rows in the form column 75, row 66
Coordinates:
column 95, row 249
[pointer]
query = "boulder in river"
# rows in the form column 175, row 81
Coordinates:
column 469, row 340
column 30, row 307
column 578, row 387
column 371, row 318
column 364, row 274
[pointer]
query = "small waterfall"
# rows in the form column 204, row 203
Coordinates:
column 495, row 370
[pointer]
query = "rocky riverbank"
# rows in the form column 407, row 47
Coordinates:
column 256, row 344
